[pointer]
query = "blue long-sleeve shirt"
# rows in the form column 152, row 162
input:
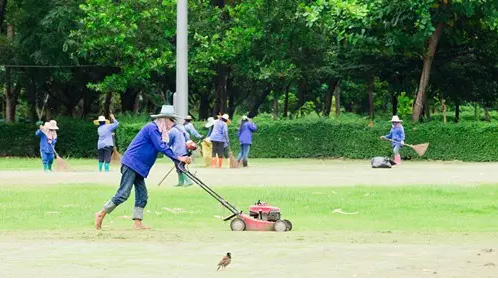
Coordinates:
column 397, row 134
column 142, row 151
column 245, row 132
column 189, row 127
column 105, row 134
column 220, row 132
column 177, row 140
column 45, row 146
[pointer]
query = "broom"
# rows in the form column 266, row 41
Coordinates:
column 233, row 162
column 60, row 164
column 419, row 148
column 116, row 156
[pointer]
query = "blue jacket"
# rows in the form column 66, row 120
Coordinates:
column 220, row 132
column 189, row 127
column 397, row 134
column 142, row 151
column 105, row 134
column 177, row 141
column 245, row 132
column 45, row 147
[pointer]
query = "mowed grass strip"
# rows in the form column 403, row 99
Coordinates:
column 413, row 209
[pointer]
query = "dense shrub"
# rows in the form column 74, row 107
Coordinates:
column 287, row 139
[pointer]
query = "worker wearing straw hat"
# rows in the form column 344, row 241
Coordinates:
column 177, row 142
column 48, row 139
column 397, row 137
column 137, row 162
column 219, row 138
column 105, row 143
column 190, row 129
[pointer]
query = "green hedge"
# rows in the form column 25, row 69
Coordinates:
column 287, row 139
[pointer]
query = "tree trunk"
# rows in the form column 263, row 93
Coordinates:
column 371, row 87
column 107, row 104
column 487, row 118
column 231, row 97
column 259, row 101
column 337, row 96
column 394, row 102
column 10, row 109
column 457, row 111
column 10, row 96
column 128, row 98
column 204, row 106
column 3, row 7
column 220, row 84
column 426, row 72
column 286, row 101
column 328, row 97
column 426, row 107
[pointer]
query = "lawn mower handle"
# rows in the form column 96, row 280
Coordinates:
column 226, row 204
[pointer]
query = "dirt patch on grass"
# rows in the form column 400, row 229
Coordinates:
column 283, row 257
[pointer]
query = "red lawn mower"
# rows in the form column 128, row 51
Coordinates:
column 262, row 216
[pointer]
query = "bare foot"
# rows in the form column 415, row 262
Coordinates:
column 138, row 225
column 99, row 218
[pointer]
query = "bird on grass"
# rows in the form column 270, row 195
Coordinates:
column 225, row 261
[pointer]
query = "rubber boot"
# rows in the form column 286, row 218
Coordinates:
column 106, row 166
column 50, row 167
column 213, row 163
column 186, row 180
column 397, row 159
column 220, row 162
column 180, row 180
column 244, row 162
column 45, row 167
column 100, row 166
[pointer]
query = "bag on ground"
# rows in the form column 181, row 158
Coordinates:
column 382, row 162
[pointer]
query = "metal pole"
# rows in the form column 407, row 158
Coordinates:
column 182, row 58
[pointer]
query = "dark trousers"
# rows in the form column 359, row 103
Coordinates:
column 105, row 154
column 129, row 179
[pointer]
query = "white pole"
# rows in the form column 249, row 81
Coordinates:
column 182, row 58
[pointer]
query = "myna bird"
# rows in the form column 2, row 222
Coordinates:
column 225, row 261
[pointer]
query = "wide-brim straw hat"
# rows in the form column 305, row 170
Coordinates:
column 52, row 125
column 188, row 117
column 396, row 119
column 210, row 122
column 101, row 119
column 167, row 111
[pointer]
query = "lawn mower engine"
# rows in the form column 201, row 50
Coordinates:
column 262, row 217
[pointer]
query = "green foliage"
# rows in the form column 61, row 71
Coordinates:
column 309, row 137
column 76, row 138
column 405, row 105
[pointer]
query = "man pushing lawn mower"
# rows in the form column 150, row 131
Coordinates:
column 137, row 162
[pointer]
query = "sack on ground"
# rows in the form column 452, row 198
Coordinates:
column 382, row 162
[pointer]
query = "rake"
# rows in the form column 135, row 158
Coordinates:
column 419, row 148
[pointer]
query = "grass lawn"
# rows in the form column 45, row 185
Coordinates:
column 411, row 209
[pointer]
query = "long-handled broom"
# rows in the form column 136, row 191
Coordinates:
column 420, row 149
column 116, row 156
column 60, row 164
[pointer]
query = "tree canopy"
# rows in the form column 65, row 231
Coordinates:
column 286, row 57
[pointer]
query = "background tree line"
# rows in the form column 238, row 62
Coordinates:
column 287, row 57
